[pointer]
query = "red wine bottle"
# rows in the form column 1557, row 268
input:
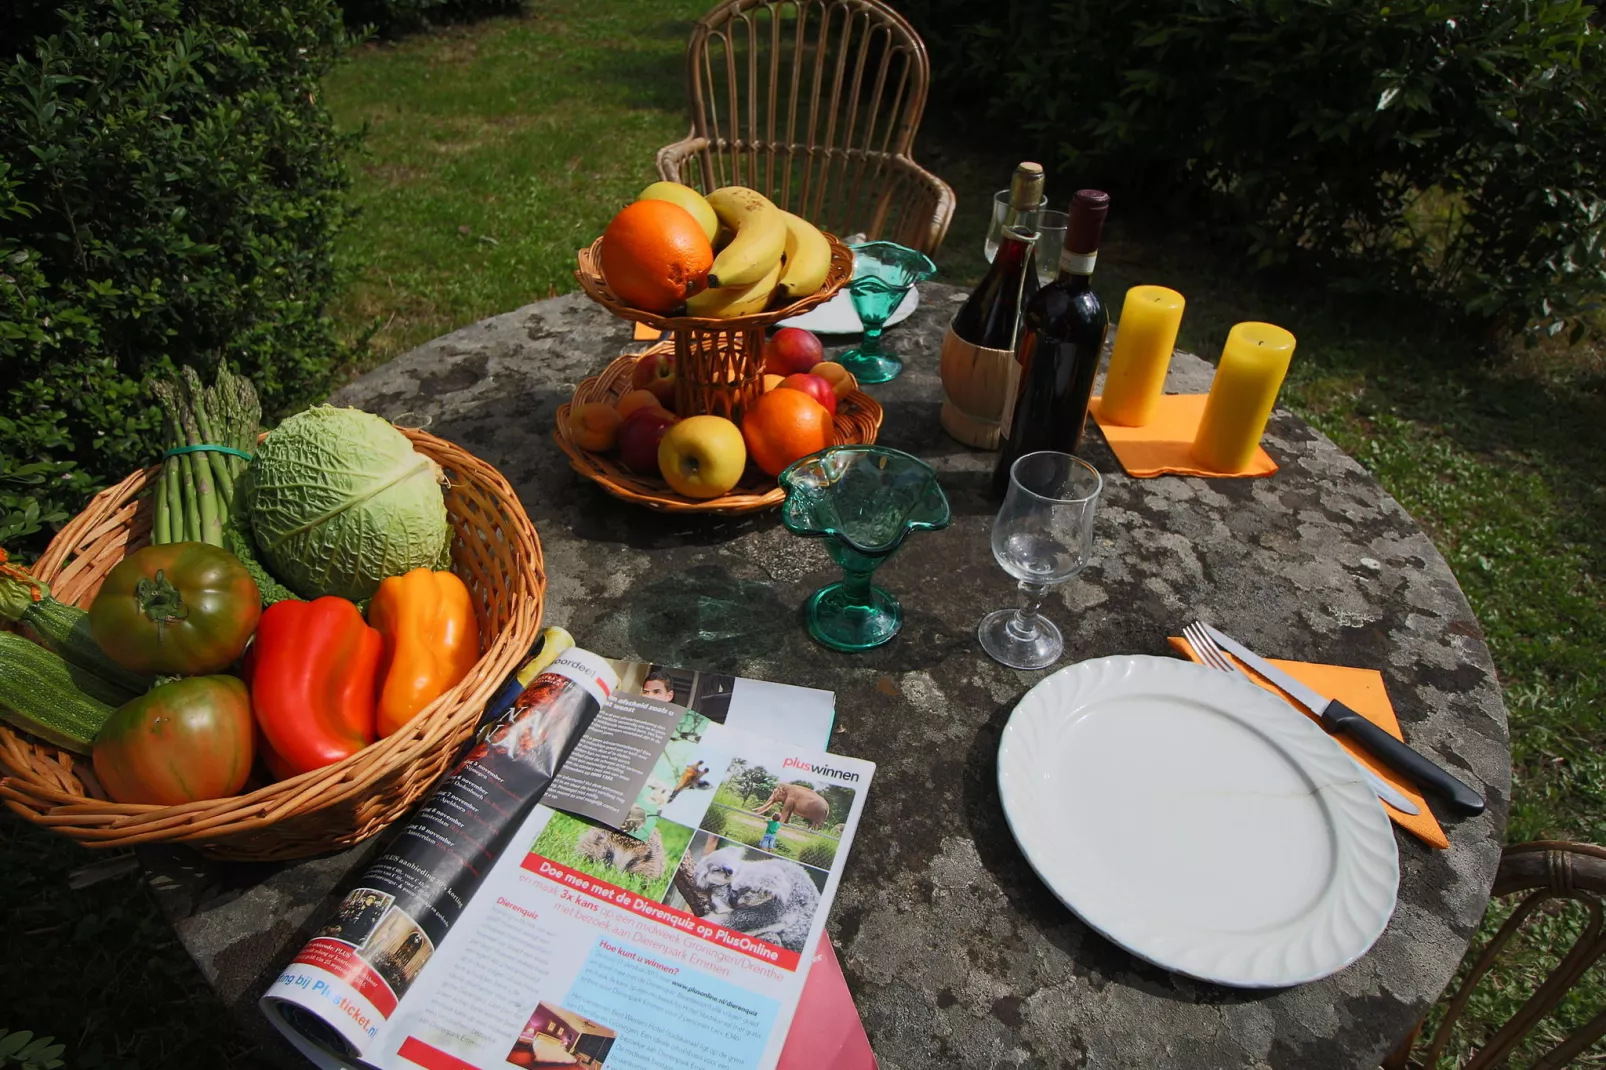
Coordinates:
column 977, row 362
column 1061, row 340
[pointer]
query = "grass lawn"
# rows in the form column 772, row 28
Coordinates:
column 790, row 840
column 496, row 150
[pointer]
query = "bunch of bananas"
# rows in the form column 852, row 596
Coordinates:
column 763, row 255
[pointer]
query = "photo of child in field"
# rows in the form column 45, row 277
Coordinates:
column 641, row 866
column 794, row 818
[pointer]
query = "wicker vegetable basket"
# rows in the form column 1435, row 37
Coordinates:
column 857, row 422
column 496, row 552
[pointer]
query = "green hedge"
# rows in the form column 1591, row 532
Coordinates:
column 1451, row 145
column 170, row 190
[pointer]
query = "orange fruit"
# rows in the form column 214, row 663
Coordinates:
column 840, row 378
column 595, row 425
column 655, row 255
column 783, row 426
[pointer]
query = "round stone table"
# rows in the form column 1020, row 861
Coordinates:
column 956, row 954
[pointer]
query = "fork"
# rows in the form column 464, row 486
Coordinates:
column 1212, row 656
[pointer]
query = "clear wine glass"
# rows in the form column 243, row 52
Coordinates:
column 1043, row 536
column 995, row 226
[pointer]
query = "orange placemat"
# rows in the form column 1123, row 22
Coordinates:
column 1165, row 444
column 645, row 333
column 1361, row 690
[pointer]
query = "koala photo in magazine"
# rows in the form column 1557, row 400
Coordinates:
column 774, row 899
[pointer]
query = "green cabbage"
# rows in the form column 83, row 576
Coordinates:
column 340, row 500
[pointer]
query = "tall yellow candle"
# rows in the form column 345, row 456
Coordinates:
column 1253, row 364
column 1144, row 339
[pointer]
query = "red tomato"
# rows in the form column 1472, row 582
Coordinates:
column 181, row 741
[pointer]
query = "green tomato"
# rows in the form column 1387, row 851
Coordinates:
column 186, row 608
column 180, row 742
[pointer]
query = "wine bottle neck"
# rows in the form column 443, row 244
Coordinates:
column 1077, row 268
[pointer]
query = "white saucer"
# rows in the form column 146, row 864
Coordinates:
column 837, row 316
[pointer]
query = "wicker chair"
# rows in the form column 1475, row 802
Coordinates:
column 1549, row 872
column 814, row 103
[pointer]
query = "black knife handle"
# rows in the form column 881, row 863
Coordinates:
column 1396, row 755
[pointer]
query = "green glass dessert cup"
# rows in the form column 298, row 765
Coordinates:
column 883, row 272
column 864, row 501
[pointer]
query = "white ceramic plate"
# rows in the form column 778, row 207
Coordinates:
column 836, row 316
column 1197, row 821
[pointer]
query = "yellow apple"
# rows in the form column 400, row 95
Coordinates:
column 702, row 456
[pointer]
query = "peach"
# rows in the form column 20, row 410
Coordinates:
column 841, row 380
column 635, row 399
column 771, row 381
column 595, row 425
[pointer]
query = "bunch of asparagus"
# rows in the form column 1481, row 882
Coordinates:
column 196, row 490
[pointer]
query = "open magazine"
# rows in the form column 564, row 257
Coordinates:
column 668, row 913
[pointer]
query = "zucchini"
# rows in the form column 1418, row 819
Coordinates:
column 46, row 697
column 61, row 629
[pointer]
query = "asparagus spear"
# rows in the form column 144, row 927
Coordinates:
column 203, row 405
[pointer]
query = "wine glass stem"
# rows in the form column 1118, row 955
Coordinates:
column 872, row 341
column 856, row 585
column 1024, row 624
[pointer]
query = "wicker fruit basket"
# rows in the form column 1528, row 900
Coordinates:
column 496, row 552
column 719, row 364
column 857, row 422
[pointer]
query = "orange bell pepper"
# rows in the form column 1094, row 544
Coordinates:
column 431, row 641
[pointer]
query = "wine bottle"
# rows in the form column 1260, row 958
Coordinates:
column 978, row 349
column 1061, row 339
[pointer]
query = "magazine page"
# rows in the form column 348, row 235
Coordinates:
column 380, row 961
column 339, row 991
column 590, row 947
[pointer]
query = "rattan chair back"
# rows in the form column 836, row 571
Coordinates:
column 1551, row 873
column 814, row 103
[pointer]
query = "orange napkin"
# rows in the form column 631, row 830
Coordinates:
column 1361, row 690
column 645, row 333
column 1165, row 443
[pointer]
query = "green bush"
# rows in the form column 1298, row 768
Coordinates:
column 1454, row 143
column 714, row 820
column 391, row 18
column 170, row 189
column 819, row 855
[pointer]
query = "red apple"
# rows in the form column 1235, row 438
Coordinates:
column 814, row 386
column 639, row 437
column 664, row 391
column 791, row 349
column 651, row 368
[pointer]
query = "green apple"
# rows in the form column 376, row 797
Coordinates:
column 702, row 456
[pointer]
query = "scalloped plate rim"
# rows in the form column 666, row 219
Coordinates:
column 1368, row 819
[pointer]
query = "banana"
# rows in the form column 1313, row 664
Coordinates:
column 729, row 301
column 687, row 198
column 554, row 641
column 808, row 258
column 759, row 236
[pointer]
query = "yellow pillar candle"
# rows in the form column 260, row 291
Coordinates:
column 1144, row 339
column 1253, row 364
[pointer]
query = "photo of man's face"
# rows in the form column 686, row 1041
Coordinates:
column 657, row 687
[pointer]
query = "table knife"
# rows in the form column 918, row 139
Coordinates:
column 1338, row 718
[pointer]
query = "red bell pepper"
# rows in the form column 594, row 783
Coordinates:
column 314, row 681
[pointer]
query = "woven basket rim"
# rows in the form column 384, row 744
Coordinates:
column 24, row 787
column 862, row 409
column 589, row 275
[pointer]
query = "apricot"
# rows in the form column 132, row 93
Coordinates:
column 635, row 399
column 595, row 425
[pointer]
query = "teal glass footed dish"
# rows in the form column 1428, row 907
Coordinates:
column 883, row 272
column 864, row 501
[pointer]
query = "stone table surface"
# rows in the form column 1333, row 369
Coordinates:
column 956, row 953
